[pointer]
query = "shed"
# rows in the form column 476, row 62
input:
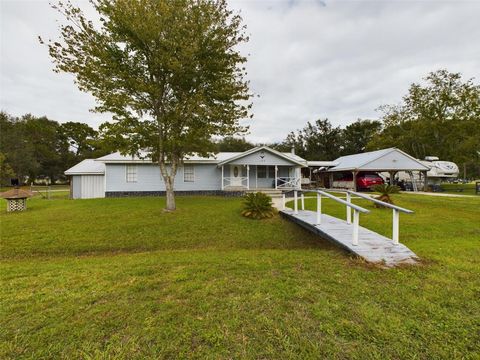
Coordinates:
column 389, row 160
column 87, row 180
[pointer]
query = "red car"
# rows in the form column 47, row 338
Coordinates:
column 365, row 181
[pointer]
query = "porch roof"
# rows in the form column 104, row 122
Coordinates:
column 289, row 157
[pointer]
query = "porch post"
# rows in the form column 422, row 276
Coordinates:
column 425, row 181
column 276, row 170
column 222, row 180
column 248, row 177
column 354, row 173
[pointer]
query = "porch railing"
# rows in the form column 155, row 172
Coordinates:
column 241, row 181
column 288, row 182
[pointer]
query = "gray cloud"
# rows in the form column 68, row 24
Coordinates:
column 309, row 59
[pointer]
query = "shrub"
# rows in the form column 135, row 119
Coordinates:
column 385, row 191
column 258, row 206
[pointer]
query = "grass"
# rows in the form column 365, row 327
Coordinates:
column 467, row 189
column 119, row 278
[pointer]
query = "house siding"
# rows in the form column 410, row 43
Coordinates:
column 263, row 158
column 149, row 179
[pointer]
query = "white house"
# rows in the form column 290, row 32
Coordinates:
column 117, row 175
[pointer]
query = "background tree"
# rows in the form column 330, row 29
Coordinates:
column 169, row 71
column 319, row 140
column 357, row 135
column 234, row 144
column 17, row 148
column 6, row 171
column 81, row 138
column 440, row 118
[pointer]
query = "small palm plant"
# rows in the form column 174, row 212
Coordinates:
column 385, row 191
column 258, row 206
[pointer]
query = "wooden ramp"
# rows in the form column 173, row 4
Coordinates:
column 373, row 247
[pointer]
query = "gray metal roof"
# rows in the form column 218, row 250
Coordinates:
column 391, row 159
column 217, row 158
column 87, row 166
column 321, row 163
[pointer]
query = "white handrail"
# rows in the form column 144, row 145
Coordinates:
column 383, row 203
column 396, row 211
column 356, row 209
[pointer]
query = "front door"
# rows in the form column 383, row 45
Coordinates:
column 235, row 175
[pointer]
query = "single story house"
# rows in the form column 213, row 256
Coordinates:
column 117, row 175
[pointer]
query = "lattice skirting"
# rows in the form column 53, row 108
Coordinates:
column 16, row 205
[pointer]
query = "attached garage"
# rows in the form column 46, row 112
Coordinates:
column 87, row 180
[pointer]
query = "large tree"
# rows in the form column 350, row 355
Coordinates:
column 357, row 135
column 318, row 140
column 440, row 117
column 169, row 71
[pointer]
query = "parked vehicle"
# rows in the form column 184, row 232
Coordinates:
column 365, row 181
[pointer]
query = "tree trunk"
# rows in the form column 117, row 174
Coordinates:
column 170, row 194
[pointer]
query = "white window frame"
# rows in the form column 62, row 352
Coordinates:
column 131, row 173
column 192, row 174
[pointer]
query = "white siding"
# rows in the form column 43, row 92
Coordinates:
column 207, row 177
column 92, row 186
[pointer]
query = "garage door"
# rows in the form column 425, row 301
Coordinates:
column 93, row 186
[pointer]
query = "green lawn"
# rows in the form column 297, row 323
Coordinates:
column 467, row 189
column 119, row 278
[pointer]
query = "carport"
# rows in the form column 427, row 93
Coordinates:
column 389, row 160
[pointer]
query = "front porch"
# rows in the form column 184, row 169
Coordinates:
column 256, row 177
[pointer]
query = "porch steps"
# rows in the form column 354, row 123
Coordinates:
column 273, row 193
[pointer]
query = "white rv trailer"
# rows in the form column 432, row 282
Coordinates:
column 439, row 171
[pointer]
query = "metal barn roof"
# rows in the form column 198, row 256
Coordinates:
column 391, row 159
column 218, row 158
column 87, row 166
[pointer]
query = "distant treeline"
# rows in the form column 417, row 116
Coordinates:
column 440, row 118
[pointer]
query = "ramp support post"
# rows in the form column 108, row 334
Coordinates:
column 356, row 227
column 319, row 209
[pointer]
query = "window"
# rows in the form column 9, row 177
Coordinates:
column 131, row 173
column 266, row 172
column 262, row 172
column 188, row 173
column 271, row 172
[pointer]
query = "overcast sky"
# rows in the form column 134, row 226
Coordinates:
column 308, row 59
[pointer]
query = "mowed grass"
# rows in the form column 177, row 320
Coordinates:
column 467, row 189
column 119, row 278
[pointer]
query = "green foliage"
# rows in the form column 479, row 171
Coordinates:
column 385, row 191
column 36, row 147
column 169, row 71
column 357, row 135
column 6, row 171
column 319, row 140
column 439, row 118
column 233, row 144
column 258, row 206
column 323, row 141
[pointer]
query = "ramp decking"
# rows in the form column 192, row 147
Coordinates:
column 373, row 247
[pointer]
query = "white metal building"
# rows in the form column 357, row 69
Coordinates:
column 87, row 180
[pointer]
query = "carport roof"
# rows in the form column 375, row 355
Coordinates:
column 391, row 159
